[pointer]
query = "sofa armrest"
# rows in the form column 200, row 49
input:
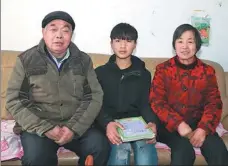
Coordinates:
column 226, row 77
column 225, row 113
column 225, row 122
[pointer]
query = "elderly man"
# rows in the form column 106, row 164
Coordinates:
column 67, row 97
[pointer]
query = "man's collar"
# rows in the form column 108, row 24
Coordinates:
column 66, row 56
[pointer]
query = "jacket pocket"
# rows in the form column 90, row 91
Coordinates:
column 42, row 81
column 78, row 85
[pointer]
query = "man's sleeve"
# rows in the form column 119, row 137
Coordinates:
column 213, row 106
column 19, row 105
column 91, row 102
column 159, row 104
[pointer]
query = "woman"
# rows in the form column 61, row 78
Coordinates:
column 185, row 97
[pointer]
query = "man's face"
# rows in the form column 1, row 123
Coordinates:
column 57, row 36
column 123, row 48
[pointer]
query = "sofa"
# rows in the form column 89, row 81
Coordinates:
column 69, row 158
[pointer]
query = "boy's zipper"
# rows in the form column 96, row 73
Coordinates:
column 124, row 76
column 120, row 96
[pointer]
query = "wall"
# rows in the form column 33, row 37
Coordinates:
column 155, row 21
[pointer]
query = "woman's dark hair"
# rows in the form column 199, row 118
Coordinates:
column 124, row 31
column 187, row 27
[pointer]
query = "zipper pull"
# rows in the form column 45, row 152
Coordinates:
column 122, row 77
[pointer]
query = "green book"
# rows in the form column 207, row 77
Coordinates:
column 134, row 129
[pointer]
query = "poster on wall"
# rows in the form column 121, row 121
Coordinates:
column 202, row 24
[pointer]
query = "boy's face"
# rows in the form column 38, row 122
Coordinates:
column 123, row 48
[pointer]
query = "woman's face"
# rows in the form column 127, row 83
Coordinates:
column 185, row 46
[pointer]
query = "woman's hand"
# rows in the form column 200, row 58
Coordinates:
column 198, row 137
column 112, row 134
column 184, row 129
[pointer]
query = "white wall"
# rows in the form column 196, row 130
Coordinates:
column 155, row 21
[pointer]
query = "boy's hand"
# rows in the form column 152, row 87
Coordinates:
column 112, row 134
column 152, row 126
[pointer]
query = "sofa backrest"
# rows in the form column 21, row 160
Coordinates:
column 8, row 60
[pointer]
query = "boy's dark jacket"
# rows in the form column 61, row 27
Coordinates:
column 126, row 92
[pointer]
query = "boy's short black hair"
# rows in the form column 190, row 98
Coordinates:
column 187, row 27
column 124, row 31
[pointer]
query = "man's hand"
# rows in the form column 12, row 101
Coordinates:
column 198, row 137
column 54, row 134
column 66, row 136
column 152, row 126
column 184, row 129
column 112, row 134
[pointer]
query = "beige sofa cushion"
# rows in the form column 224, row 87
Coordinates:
column 8, row 60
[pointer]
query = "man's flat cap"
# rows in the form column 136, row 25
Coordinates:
column 58, row 15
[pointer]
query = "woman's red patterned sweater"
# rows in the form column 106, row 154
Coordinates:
column 186, row 93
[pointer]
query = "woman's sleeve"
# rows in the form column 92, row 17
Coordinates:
column 213, row 105
column 159, row 100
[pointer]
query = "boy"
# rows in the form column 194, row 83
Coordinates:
column 126, row 83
